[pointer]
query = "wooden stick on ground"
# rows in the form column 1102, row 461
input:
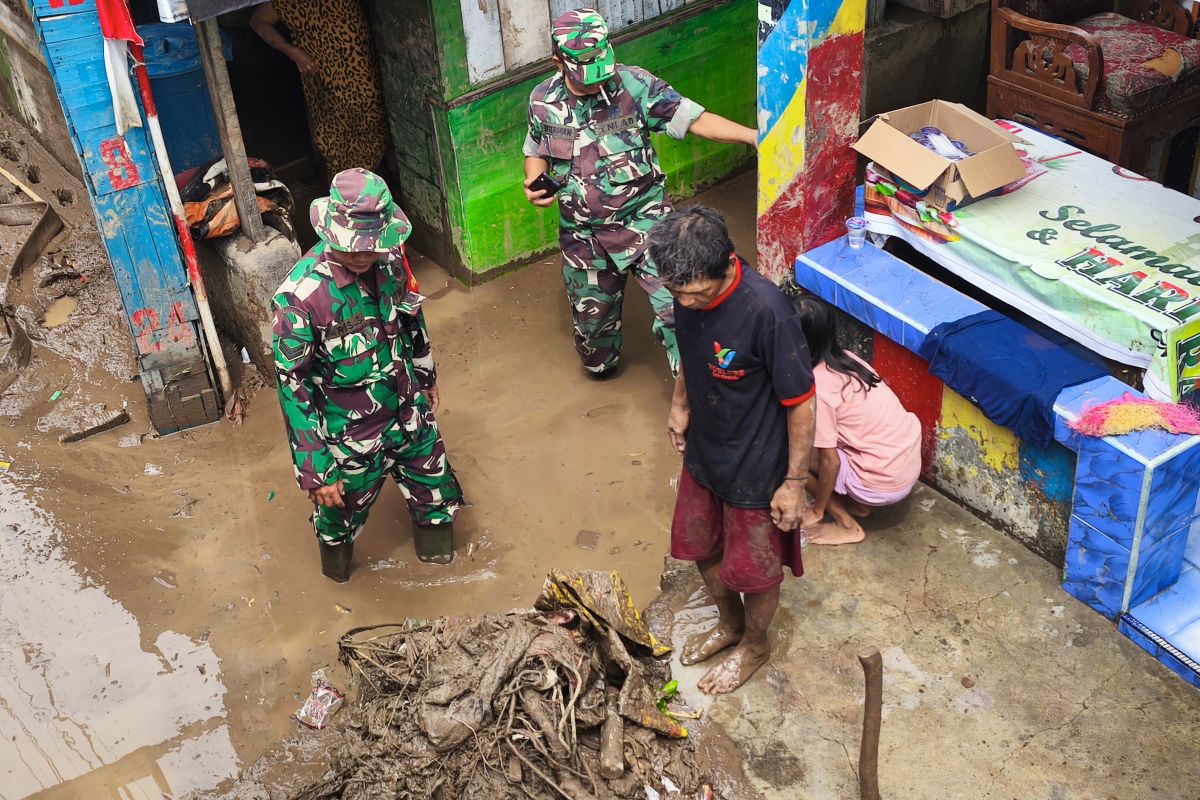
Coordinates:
column 78, row 436
column 30, row 193
column 612, row 740
column 868, row 754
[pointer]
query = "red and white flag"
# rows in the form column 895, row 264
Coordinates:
column 117, row 27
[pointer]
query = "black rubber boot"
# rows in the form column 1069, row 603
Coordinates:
column 603, row 374
column 434, row 543
column 335, row 560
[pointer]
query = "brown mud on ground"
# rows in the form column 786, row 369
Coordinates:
column 161, row 606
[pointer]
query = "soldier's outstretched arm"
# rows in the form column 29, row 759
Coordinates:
column 293, row 351
column 718, row 129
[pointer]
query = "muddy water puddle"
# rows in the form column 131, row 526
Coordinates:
column 59, row 312
column 195, row 607
column 158, row 626
column 85, row 695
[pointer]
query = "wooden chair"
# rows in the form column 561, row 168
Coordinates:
column 1076, row 69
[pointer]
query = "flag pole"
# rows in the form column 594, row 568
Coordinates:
column 181, row 226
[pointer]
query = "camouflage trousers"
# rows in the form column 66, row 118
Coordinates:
column 421, row 470
column 595, row 270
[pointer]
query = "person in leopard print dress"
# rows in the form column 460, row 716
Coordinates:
column 331, row 47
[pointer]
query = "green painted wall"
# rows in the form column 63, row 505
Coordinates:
column 460, row 159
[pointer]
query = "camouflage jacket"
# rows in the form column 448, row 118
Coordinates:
column 350, row 366
column 601, row 143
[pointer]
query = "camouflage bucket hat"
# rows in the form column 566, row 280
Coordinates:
column 581, row 38
column 359, row 215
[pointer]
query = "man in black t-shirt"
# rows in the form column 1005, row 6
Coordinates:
column 742, row 415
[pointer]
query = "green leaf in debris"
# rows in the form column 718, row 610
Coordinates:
column 666, row 694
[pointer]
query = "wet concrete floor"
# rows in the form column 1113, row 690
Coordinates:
column 997, row 684
column 161, row 607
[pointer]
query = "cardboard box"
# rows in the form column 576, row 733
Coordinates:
column 945, row 184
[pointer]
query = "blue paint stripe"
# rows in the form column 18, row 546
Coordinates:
column 1052, row 468
column 781, row 65
column 783, row 57
column 70, row 26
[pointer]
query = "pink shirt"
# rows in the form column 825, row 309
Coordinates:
column 872, row 429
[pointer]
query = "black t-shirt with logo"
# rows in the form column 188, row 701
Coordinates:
column 745, row 362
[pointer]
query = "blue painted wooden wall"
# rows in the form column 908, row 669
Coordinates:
column 134, row 219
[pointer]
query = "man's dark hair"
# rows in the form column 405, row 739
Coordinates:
column 691, row 244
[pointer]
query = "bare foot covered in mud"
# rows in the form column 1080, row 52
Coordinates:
column 835, row 533
column 703, row 646
column 735, row 669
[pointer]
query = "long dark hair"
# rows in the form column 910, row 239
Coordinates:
column 819, row 322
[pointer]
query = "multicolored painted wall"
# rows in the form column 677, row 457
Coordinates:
column 1020, row 487
column 1024, row 487
column 806, row 168
column 459, row 142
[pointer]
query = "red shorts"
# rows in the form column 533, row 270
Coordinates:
column 753, row 550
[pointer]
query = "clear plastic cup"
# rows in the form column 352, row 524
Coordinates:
column 856, row 232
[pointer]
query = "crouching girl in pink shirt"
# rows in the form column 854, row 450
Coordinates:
column 867, row 448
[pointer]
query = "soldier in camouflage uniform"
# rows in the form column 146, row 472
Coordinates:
column 356, row 376
column 589, row 127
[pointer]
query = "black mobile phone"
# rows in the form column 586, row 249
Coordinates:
column 546, row 183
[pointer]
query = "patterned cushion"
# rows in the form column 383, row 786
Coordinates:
column 1127, row 86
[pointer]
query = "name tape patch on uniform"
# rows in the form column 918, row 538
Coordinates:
column 346, row 327
column 559, row 131
column 627, row 122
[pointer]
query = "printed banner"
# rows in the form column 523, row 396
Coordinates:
column 1183, row 348
column 1105, row 256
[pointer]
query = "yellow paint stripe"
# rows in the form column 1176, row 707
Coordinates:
column 781, row 152
column 851, row 18
column 998, row 446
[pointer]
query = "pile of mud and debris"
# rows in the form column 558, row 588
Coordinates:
column 63, row 333
column 571, row 700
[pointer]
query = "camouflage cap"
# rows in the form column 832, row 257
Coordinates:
column 581, row 38
column 359, row 215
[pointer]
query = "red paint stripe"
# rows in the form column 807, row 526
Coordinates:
column 814, row 208
column 187, row 244
column 189, row 257
column 908, row 376
column 143, row 79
